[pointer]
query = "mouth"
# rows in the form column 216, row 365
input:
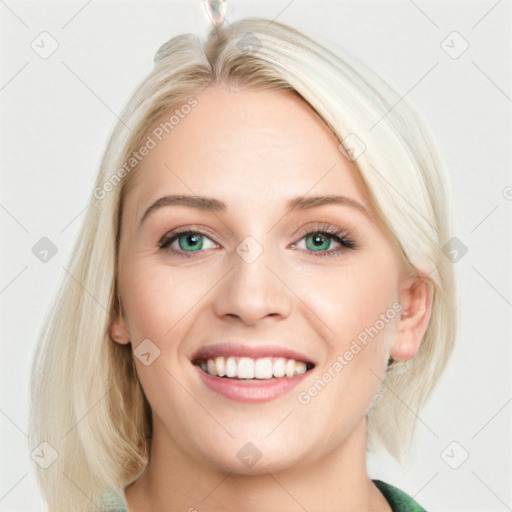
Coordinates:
column 250, row 374
column 247, row 368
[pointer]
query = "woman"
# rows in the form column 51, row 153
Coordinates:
column 257, row 290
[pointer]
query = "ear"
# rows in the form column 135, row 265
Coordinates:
column 416, row 295
column 118, row 331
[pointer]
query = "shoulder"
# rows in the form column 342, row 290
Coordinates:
column 398, row 499
column 111, row 501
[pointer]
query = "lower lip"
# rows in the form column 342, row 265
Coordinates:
column 250, row 391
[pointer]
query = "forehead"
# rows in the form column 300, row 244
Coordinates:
column 247, row 147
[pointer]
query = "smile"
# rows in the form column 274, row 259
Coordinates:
column 250, row 374
column 248, row 368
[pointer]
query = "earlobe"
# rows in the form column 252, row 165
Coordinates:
column 416, row 297
column 118, row 332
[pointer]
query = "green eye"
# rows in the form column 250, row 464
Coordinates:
column 191, row 241
column 323, row 242
column 186, row 242
column 318, row 242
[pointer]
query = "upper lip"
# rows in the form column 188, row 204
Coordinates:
column 245, row 350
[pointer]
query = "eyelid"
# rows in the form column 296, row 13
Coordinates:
column 320, row 227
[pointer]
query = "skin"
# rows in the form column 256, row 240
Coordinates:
column 255, row 150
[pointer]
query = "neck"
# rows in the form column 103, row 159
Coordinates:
column 175, row 481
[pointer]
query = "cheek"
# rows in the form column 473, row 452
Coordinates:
column 157, row 301
column 354, row 299
column 357, row 304
column 144, row 297
column 156, row 297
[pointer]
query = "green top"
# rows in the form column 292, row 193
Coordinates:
column 398, row 500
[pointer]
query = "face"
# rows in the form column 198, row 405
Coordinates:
column 271, row 268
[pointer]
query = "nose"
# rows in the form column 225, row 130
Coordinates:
column 253, row 290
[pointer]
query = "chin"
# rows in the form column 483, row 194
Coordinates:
column 261, row 456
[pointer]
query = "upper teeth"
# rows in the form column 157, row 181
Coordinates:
column 248, row 368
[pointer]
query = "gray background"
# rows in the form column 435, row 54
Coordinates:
column 57, row 112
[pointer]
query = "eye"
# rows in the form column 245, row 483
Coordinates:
column 186, row 241
column 320, row 241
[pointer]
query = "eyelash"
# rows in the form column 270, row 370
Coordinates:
column 337, row 234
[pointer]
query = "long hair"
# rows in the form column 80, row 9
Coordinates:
column 86, row 401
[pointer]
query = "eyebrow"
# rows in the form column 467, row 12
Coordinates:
column 214, row 205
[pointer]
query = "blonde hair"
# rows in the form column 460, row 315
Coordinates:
column 87, row 402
